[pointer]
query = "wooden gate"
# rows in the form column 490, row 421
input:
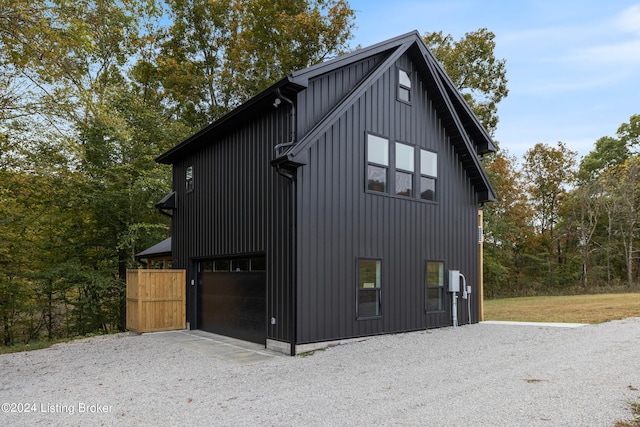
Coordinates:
column 156, row 300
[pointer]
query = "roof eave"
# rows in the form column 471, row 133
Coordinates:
column 448, row 91
column 289, row 83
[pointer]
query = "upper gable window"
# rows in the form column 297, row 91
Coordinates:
column 404, row 86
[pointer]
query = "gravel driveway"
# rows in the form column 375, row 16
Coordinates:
column 478, row 375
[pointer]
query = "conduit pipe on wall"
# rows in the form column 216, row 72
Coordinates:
column 454, row 288
column 292, row 117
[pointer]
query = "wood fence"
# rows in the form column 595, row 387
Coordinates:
column 156, row 300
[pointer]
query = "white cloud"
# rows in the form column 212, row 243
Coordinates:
column 629, row 20
column 615, row 54
column 624, row 48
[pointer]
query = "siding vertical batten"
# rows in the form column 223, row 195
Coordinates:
column 309, row 211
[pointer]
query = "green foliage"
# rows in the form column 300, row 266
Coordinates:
column 549, row 172
column 608, row 152
column 565, row 235
column 90, row 93
column 216, row 55
column 471, row 63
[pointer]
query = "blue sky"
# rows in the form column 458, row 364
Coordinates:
column 573, row 66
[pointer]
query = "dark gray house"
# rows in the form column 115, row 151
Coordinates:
column 333, row 204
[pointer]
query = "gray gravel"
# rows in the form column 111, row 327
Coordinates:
column 478, row 375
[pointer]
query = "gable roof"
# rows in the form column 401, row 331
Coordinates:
column 455, row 114
column 465, row 132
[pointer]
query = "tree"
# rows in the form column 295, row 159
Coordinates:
column 218, row 54
column 471, row 63
column 584, row 212
column 629, row 133
column 623, row 184
column 91, row 91
column 62, row 51
column 605, row 188
column 608, row 152
column 549, row 172
column 507, row 226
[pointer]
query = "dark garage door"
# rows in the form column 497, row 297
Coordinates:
column 233, row 304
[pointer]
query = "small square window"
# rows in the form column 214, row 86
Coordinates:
column 404, row 94
column 427, row 188
column 258, row 264
column 435, row 299
column 376, row 178
column 378, row 150
column 429, row 163
column 404, row 157
column 404, row 184
column 240, row 265
column 221, row 265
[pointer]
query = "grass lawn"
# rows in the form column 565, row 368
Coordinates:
column 568, row 309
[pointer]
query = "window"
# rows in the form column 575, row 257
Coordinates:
column 404, row 170
column 434, row 286
column 222, row 265
column 258, row 264
column 392, row 168
column 428, row 174
column 234, row 265
column 369, row 288
column 377, row 163
column 189, row 179
column 240, row 265
column 404, row 86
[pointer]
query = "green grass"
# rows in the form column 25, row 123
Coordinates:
column 635, row 422
column 38, row 345
column 565, row 309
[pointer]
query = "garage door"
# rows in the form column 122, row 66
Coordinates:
column 232, row 299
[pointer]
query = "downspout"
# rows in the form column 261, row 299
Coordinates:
column 293, row 326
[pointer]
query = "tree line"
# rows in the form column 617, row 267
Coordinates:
column 91, row 91
column 562, row 225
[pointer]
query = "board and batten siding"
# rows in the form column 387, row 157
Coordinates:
column 239, row 206
column 326, row 91
column 339, row 221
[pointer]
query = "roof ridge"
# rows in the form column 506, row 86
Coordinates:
column 305, row 74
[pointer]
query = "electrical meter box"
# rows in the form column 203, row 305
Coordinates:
column 454, row 280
